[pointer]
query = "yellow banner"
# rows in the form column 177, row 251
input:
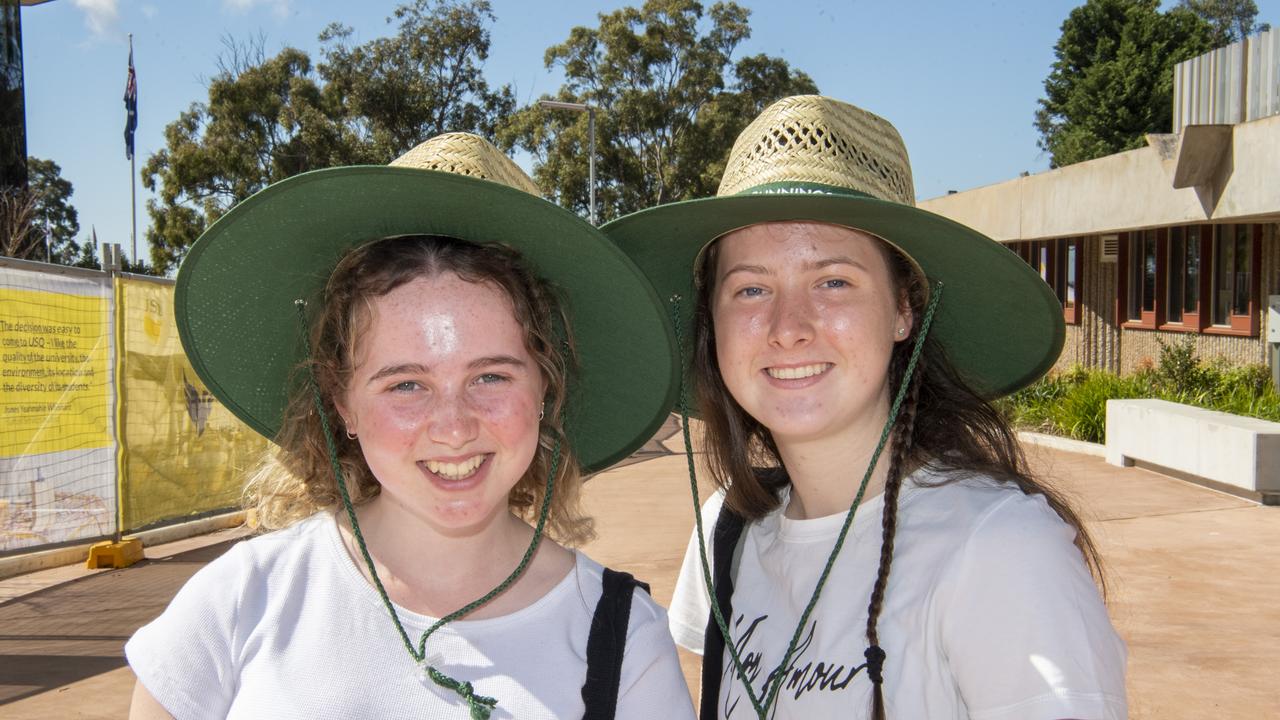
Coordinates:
column 184, row 454
column 55, row 387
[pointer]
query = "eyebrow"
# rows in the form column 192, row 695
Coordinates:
column 420, row 369
column 814, row 265
column 837, row 260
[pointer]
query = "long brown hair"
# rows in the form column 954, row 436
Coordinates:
column 942, row 424
column 297, row 479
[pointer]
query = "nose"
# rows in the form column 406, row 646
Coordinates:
column 452, row 421
column 791, row 323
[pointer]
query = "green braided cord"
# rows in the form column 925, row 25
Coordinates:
column 481, row 706
column 778, row 672
column 697, row 516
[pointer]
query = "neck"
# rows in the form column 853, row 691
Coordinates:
column 434, row 572
column 826, row 473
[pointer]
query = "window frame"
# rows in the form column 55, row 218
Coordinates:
column 1238, row 325
column 1049, row 259
column 1147, row 319
column 1201, row 321
column 1193, row 321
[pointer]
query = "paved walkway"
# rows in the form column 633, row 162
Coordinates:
column 1195, row 590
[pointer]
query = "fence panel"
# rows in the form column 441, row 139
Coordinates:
column 57, row 443
column 184, row 453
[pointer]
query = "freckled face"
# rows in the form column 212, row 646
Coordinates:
column 444, row 399
column 806, row 318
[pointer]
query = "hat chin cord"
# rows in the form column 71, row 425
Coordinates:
column 480, row 706
column 875, row 655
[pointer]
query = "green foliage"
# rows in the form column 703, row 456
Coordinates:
column 671, row 102
column 1231, row 20
column 39, row 222
column 1074, row 403
column 266, row 119
column 423, row 81
column 1112, row 82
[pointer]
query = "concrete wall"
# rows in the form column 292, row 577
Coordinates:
column 1125, row 191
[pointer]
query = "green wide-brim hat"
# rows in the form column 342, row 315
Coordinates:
column 811, row 158
column 236, row 289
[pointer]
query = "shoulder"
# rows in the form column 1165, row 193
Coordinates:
column 645, row 612
column 275, row 552
column 979, row 507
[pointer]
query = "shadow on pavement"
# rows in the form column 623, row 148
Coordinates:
column 77, row 629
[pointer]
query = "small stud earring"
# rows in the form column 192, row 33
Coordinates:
column 902, row 331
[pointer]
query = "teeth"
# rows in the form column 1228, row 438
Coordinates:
column 797, row 373
column 455, row 471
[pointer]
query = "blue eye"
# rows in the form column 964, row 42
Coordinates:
column 491, row 378
column 404, row 387
column 834, row 283
column 751, row 291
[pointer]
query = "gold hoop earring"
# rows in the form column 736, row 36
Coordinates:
column 350, row 435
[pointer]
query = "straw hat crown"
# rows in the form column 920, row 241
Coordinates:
column 466, row 154
column 817, row 140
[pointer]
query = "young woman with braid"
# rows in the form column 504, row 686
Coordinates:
column 878, row 547
column 435, row 358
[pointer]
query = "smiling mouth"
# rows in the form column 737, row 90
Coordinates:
column 456, row 471
column 798, row 373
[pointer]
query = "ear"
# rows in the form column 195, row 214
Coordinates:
column 344, row 414
column 905, row 319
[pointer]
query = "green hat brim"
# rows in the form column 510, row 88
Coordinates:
column 999, row 323
column 236, row 290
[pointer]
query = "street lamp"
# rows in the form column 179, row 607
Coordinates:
column 591, row 131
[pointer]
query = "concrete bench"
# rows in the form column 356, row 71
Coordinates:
column 1237, row 451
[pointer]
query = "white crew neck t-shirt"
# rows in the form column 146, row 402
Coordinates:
column 990, row 612
column 285, row 626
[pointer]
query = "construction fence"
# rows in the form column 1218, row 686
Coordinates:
column 104, row 427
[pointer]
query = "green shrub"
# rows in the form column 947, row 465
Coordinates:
column 1081, row 413
column 1074, row 403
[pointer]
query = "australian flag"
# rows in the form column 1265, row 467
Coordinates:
column 131, row 108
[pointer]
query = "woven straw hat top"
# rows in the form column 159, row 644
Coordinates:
column 814, row 139
column 812, row 158
column 236, row 289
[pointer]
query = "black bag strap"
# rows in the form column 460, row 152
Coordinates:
column 724, row 540
column 607, row 643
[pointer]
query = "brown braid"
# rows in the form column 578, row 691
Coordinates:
column 898, row 470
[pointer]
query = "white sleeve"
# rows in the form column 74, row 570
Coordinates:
column 186, row 657
column 1024, row 628
column 652, row 683
column 690, row 603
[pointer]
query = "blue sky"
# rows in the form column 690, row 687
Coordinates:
column 960, row 80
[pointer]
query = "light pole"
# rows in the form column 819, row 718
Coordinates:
column 591, row 131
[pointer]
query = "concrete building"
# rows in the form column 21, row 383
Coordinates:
column 1177, row 239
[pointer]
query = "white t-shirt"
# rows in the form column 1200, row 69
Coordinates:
column 989, row 613
column 285, row 626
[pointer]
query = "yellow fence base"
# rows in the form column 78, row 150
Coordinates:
column 114, row 554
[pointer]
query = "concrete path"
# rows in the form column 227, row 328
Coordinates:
column 1194, row 590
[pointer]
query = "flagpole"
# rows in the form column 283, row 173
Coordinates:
column 133, row 181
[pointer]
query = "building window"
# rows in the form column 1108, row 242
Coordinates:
column 1234, row 279
column 1140, row 305
column 1058, row 263
column 1183, row 278
column 1197, row 278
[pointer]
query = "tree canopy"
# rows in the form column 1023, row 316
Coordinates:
column 1231, row 20
column 267, row 118
column 40, row 223
column 1112, row 82
column 670, row 97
